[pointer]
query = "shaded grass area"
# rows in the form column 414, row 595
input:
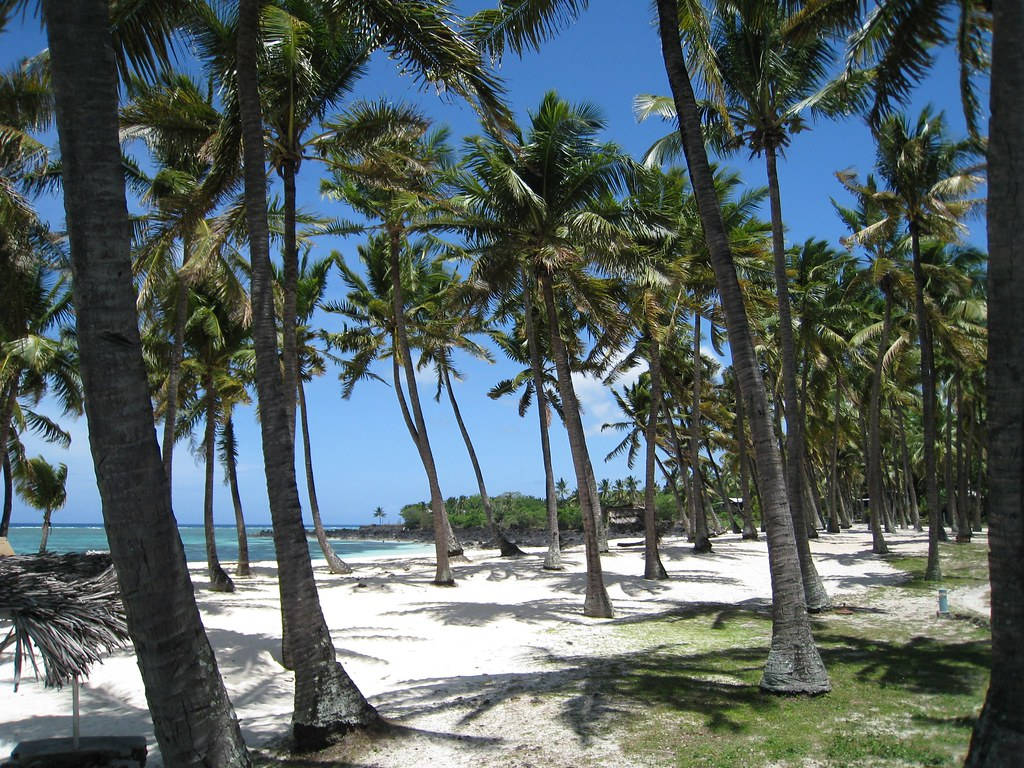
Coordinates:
column 905, row 692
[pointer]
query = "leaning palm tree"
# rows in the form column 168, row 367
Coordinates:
column 44, row 487
column 193, row 718
column 448, row 329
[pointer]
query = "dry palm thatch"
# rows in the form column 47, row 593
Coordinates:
column 65, row 606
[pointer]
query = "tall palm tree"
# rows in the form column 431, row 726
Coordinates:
column 794, row 664
column 43, row 486
column 998, row 735
column 928, row 177
column 529, row 209
column 193, row 719
column 393, row 177
column 326, row 699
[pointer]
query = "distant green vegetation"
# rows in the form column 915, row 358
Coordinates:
column 517, row 511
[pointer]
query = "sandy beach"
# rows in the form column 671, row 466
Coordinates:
column 459, row 667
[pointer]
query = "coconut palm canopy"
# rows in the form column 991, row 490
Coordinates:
column 65, row 607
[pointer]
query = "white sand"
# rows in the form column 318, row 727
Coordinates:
column 415, row 649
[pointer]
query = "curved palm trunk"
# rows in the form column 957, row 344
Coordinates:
column 334, row 563
column 327, row 702
column 219, row 580
column 507, row 548
column 933, row 571
column 174, row 367
column 243, row 570
column 727, row 505
column 653, row 567
column 793, row 665
column 875, row 490
column 749, row 531
column 963, row 460
column 701, row 542
column 998, row 737
column 442, row 529
column 814, row 591
column 553, row 557
column 596, row 603
column 193, row 720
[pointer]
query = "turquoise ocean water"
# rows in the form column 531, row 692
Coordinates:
column 83, row 538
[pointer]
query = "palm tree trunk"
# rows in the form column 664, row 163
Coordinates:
column 45, row 534
column 174, row 366
column 677, row 446
column 507, row 548
column 908, row 475
column 670, row 481
column 933, row 571
column 963, row 526
column 454, row 548
column 596, row 603
column 749, row 531
column 243, row 569
column 834, row 491
column 219, row 580
column 814, row 591
column 7, row 398
column 553, row 557
column 793, row 665
column 701, row 542
column 653, row 567
column 443, row 574
column 289, row 311
column 727, row 505
column 875, row 491
column 327, row 702
column 998, row 737
column 334, row 563
column 963, row 459
column 192, row 717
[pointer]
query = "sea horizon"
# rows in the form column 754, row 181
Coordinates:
column 91, row 537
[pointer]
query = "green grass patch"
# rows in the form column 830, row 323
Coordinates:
column 962, row 565
column 902, row 696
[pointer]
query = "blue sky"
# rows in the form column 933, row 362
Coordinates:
column 362, row 453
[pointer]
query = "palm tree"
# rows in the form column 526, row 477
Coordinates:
column 928, row 178
column 529, row 210
column 310, row 287
column 523, row 346
column 193, row 719
column 394, row 178
column 326, row 699
column 448, row 329
column 43, row 486
column 216, row 365
column 996, row 739
column 793, row 665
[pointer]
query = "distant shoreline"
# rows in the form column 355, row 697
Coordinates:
column 470, row 537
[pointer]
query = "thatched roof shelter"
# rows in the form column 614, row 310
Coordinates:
column 66, row 607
